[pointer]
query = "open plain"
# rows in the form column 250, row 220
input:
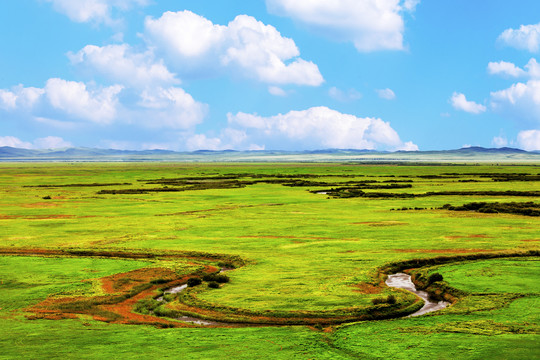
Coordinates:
column 87, row 251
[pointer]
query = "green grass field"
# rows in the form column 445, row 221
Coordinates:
column 306, row 249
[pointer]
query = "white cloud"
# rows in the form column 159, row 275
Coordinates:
column 73, row 98
column 387, row 94
column 459, row 102
column 49, row 142
column 520, row 101
column 121, row 64
column 322, row 127
column 410, row 5
column 14, row 142
column 505, row 68
column 344, row 96
column 277, row 91
column 370, row 24
column 171, row 108
column 19, row 97
column 510, row 69
column 499, row 141
column 98, row 11
column 529, row 140
column 527, row 37
column 228, row 139
column 247, row 46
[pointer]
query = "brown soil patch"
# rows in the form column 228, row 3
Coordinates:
column 365, row 288
column 442, row 251
column 530, row 240
column 381, row 223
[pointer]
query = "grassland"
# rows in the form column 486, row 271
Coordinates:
column 303, row 242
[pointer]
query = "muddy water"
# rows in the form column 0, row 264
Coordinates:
column 403, row 281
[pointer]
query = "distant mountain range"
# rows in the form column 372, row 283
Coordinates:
column 467, row 154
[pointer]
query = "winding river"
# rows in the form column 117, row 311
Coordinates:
column 403, row 281
column 399, row 280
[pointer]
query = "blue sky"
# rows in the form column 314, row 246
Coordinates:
column 270, row 74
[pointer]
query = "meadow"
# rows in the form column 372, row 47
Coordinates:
column 86, row 248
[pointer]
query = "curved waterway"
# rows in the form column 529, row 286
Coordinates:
column 403, row 281
column 399, row 280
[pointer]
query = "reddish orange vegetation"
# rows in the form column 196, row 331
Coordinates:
column 442, row 251
column 530, row 240
column 366, row 288
column 120, row 312
column 470, row 236
column 121, row 293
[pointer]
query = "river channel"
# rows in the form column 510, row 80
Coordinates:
column 399, row 280
column 403, row 281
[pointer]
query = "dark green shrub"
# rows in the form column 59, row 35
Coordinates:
column 220, row 278
column 434, row 278
column 46, row 197
column 391, row 299
column 378, row 301
column 194, row 281
column 159, row 281
column 213, row 285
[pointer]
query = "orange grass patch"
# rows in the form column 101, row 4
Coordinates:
column 365, row 288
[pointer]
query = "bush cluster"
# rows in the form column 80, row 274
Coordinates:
column 390, row 299
column 519, row 208
column 194, row 281
column 218, row 278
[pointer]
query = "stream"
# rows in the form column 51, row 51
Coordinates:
column 399, row 280
column 403, row 281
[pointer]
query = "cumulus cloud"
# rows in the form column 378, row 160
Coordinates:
column 527, row 37
column 121, row 64
column 49, row 142
column 460, row 102
column 14, row 142
column 505, row 68
column 171, row 108
column 74, row 98
column 387, row 94
column 227, row 140
column 19, row 97
column 98, row 11
column 370, row 24
column 247, row 46
column 521, row 101
column 322, row 127
column 344, row 96
column 529, row 140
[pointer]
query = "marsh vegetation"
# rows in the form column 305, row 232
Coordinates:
column 96, row 254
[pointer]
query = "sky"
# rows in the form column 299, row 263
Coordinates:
column 186, row 75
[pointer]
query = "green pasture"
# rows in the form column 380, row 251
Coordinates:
column 304, row 251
